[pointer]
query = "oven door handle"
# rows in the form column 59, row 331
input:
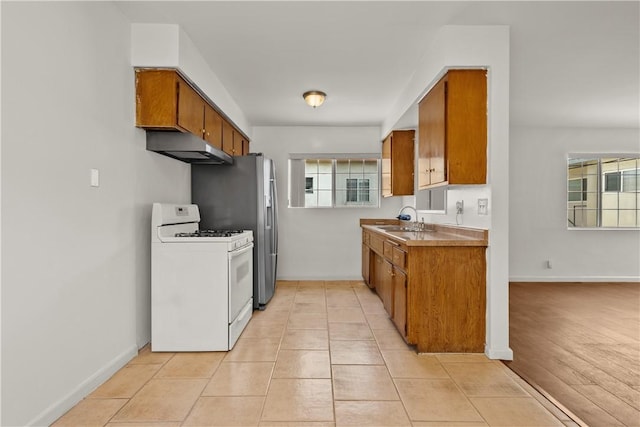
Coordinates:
column 240, row 251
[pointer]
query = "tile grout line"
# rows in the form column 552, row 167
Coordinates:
column 463, row 393
column 384, row 361
column 143, row 385
column 333, row 389
column 273, row 369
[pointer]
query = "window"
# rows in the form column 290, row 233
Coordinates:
column 577, row 190
column 612, row 182
column 602, row 191
column 622, row 181
column 357, row 190
column 333, row 180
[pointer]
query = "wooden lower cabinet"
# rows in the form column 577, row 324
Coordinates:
column 399, row 316
column 366, row 267
column 448, row 304
column 435, row 295
column 385, row 290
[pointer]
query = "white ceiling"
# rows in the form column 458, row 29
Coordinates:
column 572, row 63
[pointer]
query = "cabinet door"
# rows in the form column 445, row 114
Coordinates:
column 366, row 268
column 424, row 164
column 400, row 301
column 435, row 132
column 386, row 167
column 156, row 99
column 227, row 137
column 377, row 273
column 212, row 127
column 238, row 142
column 466, row 126
column 386, row 293
column 402, row 162
column 245, row 147
column 190, row 109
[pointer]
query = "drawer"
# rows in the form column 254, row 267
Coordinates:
column 399, row 257
column 377, row 244
column 388, row 249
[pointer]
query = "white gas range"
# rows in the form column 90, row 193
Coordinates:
column 201, row 282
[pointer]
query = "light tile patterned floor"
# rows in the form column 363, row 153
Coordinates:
column 321, row 354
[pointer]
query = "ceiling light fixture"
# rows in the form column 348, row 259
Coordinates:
column 314, row 98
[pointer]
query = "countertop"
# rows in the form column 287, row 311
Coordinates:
column 438, row 234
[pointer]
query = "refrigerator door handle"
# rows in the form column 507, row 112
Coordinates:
column 274, row 207
column 268, row 220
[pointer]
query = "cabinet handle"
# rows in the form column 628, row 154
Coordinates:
column 208, row 133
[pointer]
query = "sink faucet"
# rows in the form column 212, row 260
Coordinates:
column 415, row 218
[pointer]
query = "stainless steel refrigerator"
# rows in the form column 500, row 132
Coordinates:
column 243, row 196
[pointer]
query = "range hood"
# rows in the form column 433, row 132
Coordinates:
column 186, row 147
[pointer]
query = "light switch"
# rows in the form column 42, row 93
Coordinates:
column 95, row 178
column 483, row 205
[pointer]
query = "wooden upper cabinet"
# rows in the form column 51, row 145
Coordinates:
column 190, row 109
column 452, row 130
column 227, row 137
column 386, row 167
column 165, row 101
column 431, row 128
column 237, row 143
column 156, row 99
column 212, row 127
column 397, row 163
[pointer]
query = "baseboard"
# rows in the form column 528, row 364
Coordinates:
column 325, row 278
column 59, row 408
column 498, row 353
column 583, row 279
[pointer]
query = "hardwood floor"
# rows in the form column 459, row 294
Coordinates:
column 580, row 343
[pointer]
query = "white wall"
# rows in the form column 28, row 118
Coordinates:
column 320, row 243
column 538, row 200
column 469, row 195
column 477, row 46
column 75, row 259
column 167, row 45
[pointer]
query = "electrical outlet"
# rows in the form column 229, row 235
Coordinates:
column 547, row 264
column 460, row 207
